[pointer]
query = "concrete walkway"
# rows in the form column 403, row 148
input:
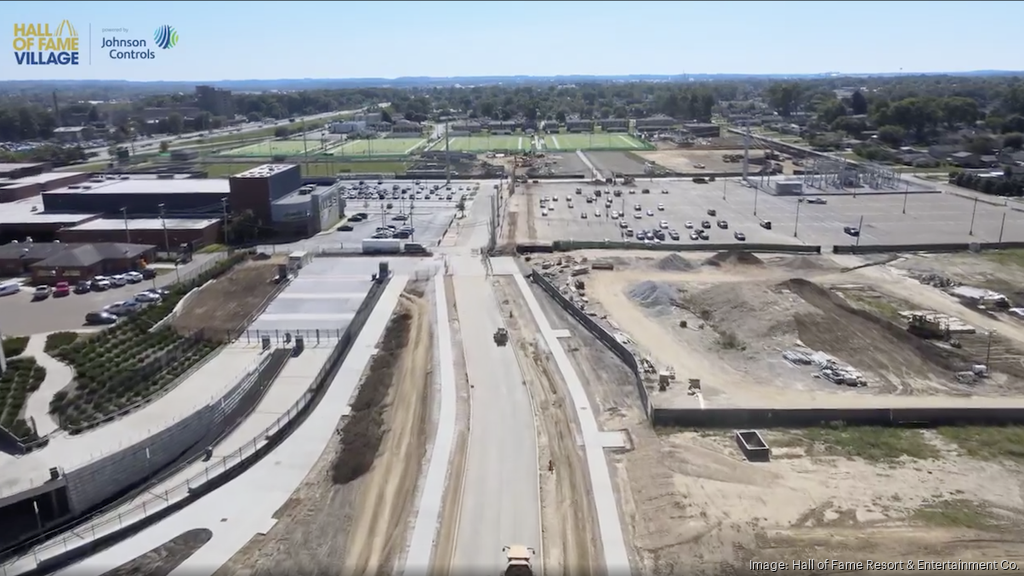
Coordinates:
column 428, row 515
column 609, row 524
column 245, row 506
column 58, row 375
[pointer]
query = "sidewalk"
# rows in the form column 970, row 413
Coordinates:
column 58, row 375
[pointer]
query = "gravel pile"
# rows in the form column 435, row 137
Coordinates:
column 651, row 294
column 674, row 263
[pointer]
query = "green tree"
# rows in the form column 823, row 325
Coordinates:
column 164, row 146
column 858, row 103
column 1014, row 140
column 175, row 123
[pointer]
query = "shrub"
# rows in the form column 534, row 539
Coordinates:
column 58, row 340
column 14, row 345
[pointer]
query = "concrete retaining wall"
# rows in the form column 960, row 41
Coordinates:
column 809, row 417
column 166, row 321
column 106, row 477
column 567, row 245
column 597, row 330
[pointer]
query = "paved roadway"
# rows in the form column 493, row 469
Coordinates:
column 145, row 144
column 500, row 501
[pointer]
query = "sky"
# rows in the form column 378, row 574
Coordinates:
column 274, row 40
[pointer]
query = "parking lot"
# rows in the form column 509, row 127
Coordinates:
column 20, row 315
column 684, row 202
column 929, row 218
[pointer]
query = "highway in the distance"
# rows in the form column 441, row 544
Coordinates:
column 500, row 502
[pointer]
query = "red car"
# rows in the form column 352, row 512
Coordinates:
column 61, row 289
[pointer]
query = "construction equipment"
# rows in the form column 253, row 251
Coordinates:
column 518, row 560
column 501, row 336
column 931, row 328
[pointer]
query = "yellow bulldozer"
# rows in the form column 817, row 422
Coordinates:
column 931, row 328
column 518, row 560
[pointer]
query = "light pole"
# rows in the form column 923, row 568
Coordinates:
column 224, row 213
column 905, row 194
column 860, row 226
column 163, row 222
column 127, row 234
column 973, row 212
column 1002, row 225
column 724, row 184
column 796, row 223
column 757, row 189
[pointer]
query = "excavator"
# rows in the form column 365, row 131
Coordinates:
column 518, row 560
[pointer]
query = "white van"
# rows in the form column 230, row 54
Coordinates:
column 8, row 288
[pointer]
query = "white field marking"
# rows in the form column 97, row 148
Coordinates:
column 627, row 141
column 557, row 145
column 520, row 145
column 415, row 146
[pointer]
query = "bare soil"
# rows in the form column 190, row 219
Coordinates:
column 163, row 559
column 358, row 522
column 569, row 521
column 694, row 505
column 221, row 307
column 684, row 160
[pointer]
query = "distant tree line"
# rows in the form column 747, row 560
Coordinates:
column 1007, row 185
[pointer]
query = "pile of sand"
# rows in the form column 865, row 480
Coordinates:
column 651, row 294
column 734, row 257
column 674, row 263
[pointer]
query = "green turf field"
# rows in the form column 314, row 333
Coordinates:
column 276, row 147
column 378, row 147
column 485, row 143
column 311, row 169
column 573, row 142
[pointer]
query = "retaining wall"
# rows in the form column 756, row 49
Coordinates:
column 809, row 417
column 567, row 245
column 944, row 247
column 598, row 331
column 106, row 477
column 166, row 321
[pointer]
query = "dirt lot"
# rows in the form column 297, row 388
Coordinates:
column 567, row 514
column 742, row 314
column 694, row 505
column 352, row 509
column 609, row 162
column 684, row 160
column 163, row 559
column 224, row 305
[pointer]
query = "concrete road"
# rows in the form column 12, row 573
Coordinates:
column 500, row 503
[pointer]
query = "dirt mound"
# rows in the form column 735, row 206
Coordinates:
column 222, row 306
column 734, row 257
column 751, row 310
column 651, row 294
column 362, row 433
column 674, row 263
column 865, row 341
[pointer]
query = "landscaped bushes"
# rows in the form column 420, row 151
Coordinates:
column 996, row 186
column 14, row 345
column 58, row 340
column 22, row 377
column 120, row 368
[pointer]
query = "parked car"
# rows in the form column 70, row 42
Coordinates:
column 766, row 224
column 147, row 296
column 41, row 292
column 705, row 224
column 82, row 287
column 101, row 285
column 61, row 289
column 712, row 212
column 851, row 230
column 133, row 277
column 740, row 236
column 10, row 287
column 123, row 308
column 118, row 280
column 100, row 318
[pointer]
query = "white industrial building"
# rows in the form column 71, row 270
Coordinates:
column 348, row 127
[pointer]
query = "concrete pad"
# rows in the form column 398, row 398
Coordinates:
column 504, row 267
column 561, row 333
column 613, row 439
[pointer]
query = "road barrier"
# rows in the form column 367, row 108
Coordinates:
column 86, row 539
column 598, row 331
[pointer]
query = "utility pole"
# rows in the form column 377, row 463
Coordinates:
column 224, row 212
column 127, row 234
column 447, row 156
column 757, row 190
column 1002, row 225
column 305, row 147
column 724, row 181
column 973, row 212
column 860, row 226
column 905, row 194
column 163, row 222
column 796, row 223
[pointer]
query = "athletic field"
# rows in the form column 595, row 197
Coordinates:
column 573, row 142
column 485, row 143
column 277, row 148
column 378, row 147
